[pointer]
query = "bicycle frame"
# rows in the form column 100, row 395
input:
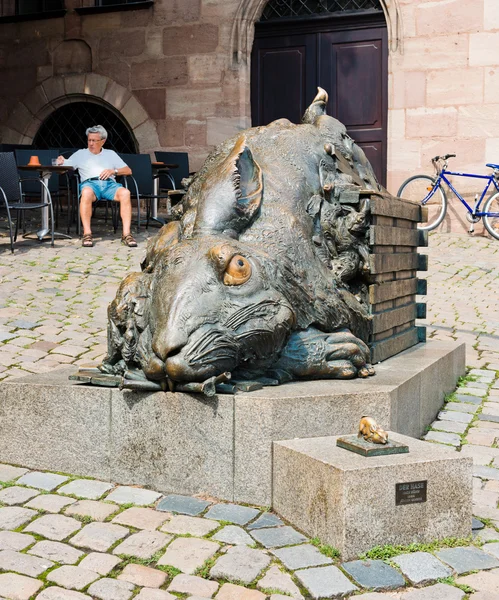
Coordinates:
column 474, row 211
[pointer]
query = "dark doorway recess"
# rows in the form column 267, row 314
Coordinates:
column 66, row 126
column 345, row 52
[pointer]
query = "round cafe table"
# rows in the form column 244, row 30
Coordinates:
column 45, row 174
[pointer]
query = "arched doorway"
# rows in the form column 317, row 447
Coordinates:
column 66, row 126
column 340, row 45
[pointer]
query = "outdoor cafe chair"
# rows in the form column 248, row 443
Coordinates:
column 142, row 186
column 11, row 194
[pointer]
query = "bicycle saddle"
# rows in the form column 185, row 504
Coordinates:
column 492, row 166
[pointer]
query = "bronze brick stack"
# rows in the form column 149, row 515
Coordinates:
column 394, row 262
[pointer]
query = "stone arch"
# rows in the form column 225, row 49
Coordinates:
column 250, row 11
column 37, row 105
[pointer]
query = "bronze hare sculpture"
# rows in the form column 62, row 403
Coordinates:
column 264, row 274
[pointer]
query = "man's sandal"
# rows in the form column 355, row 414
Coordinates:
column 87, row 240
column 129, row 241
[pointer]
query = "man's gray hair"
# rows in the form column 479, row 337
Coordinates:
column 97, row 129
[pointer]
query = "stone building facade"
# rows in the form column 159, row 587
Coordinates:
column 178, row 71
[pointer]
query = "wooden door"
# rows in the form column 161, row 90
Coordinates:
column 347, row 56
column 354, row 71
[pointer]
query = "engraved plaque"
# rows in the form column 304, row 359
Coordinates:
column 413, row 492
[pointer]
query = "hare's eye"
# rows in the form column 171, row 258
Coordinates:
column 238, row 271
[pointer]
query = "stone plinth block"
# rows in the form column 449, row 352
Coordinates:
column 351, row 502
column 187, row 444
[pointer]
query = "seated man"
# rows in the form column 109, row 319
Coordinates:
column 98, row 169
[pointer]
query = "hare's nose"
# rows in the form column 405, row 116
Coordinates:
column 169, row 344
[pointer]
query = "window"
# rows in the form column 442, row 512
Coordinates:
column 20, row 8
column 277, row 9
column 113, row 2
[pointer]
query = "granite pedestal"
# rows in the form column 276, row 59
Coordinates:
column 222, row 446
column 355, row 502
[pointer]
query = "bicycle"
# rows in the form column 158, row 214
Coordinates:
column 428, row 191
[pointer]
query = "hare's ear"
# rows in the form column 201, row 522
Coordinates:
column 317, row 108
column 248, row 183
column 231, row 193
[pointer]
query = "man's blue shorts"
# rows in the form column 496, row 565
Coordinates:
column 104, row 189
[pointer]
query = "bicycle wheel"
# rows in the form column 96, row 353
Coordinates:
column 492, row 222
column 416, row 189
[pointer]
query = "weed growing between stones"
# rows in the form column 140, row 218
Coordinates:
column 329, row 551
column 389, row 551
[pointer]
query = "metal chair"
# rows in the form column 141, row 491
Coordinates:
column 142, row 181
column 11, row 193
column 173, row 179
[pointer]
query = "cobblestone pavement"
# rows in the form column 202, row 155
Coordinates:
column 67, row 538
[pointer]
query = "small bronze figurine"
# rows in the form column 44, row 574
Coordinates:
column 371, row 431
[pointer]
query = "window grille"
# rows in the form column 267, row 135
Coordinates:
column 65, row 128
column 278, row 9
column 9, row 8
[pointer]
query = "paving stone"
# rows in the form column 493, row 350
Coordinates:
column 476, row 524
column 49, row 503
column 300, row 557
column 193, row 586
column 488, row 417
column 23, row 324
column 468, row 398
column 374, row 574
column 232, row 513
column 241, row 564
column 111, row 589
column 487, row 535
column 99, row 536
column 143, row 544
column 492, row 549
column 421, row 567
column 464, row 560
column 486, row 472
column 56, row 551
column 8, row 473
column 57, row 593
column 73, row 578
column 229, row 591
column 275, row 579
column 23, row 563
column 100, row 563
column 98, row 511
column 234, row 535
column 12, row 517
column 476, row 391
column 184, row 505
column 54, row 527
column 439, row 591
column 18, row 587
column 16, row 495
column 485, row 581
column 449, row 426
column 452, row 415
column 141, row 518
column 130, row 495
column 151, row 594
column 86, row 488
column 325, row 582
column 12, row 540
column 142, row 576
column 265, row 520
column 443, row 438
column 278, row 536
column 462, row 407
column 188, row 554
column 196, row 526
column 42, row 481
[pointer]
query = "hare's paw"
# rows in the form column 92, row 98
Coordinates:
column 313, row 354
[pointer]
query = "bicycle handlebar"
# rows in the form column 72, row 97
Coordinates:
column 445, row 157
